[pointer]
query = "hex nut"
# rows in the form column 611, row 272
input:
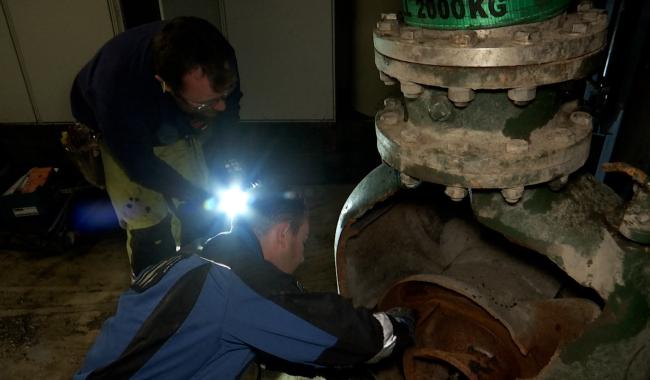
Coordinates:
column 392, row 103
column 580, row 118
column 388, row 24
column 463, row 39
column 408, row 181
column 512, row 195
column 585, row 6
column 411, row 90
column 388, row 80
column 527, row 37
column 460, row 96
column 456, row 193
column 523, row 95
column 590, row 16
column 388, row 27
column 594, row 17
column 579, row 28
column 389, row 16
column 439, row 109
column 558, row 183
column 389, row 117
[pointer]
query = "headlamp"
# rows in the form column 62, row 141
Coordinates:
column 232, row 201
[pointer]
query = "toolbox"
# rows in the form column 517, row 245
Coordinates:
column 33, row 211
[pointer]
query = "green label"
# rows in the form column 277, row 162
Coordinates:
column 476, row 14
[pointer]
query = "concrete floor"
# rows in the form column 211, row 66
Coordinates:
column 52, row 307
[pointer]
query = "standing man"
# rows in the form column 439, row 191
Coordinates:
column 153, row 93
column 189, row 317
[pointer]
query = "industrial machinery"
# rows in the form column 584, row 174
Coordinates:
column 518, row 264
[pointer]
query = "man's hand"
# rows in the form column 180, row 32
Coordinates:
column 403, row 320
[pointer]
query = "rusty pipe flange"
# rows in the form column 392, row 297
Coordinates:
column 477, row 349
column 561, row 38
column 491, row 78
column 453, row 329
column 422, row 363
column 553, row 50
column 491, row 144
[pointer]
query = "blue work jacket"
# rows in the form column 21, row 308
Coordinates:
column 190, row 317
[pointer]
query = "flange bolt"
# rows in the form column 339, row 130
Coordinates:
column 512, row 195
column 456, row 193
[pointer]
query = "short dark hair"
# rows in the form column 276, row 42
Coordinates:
column 268, row 210
column 186, row 43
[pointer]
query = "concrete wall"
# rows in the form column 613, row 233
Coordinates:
column 285, row 53
column 52, row 41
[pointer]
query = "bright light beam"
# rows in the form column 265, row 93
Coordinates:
column 233, row 201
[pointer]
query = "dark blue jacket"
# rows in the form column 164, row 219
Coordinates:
column 117, row 94
column 189, row 317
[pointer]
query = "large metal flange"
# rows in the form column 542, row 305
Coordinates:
column 560, row 49
column 492, row 144
column 491, row 78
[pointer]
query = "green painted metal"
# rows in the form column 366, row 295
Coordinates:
column 545, row 106
column 615, row 346
column 473, row 146
column 577, row 229
column 479, row 14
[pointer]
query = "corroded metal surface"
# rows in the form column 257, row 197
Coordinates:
column 636, row 220
column 421, row 231
column 577, row 229
column 482, row 315
column 378, row 185
column 466, row 138
column 636, row 174
column 547, row 48
column 635, row 224
column 565, row 226
column 614, row 346
column 489, row 77
column 452, row 329
column 490, row 144
column 553, row 40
